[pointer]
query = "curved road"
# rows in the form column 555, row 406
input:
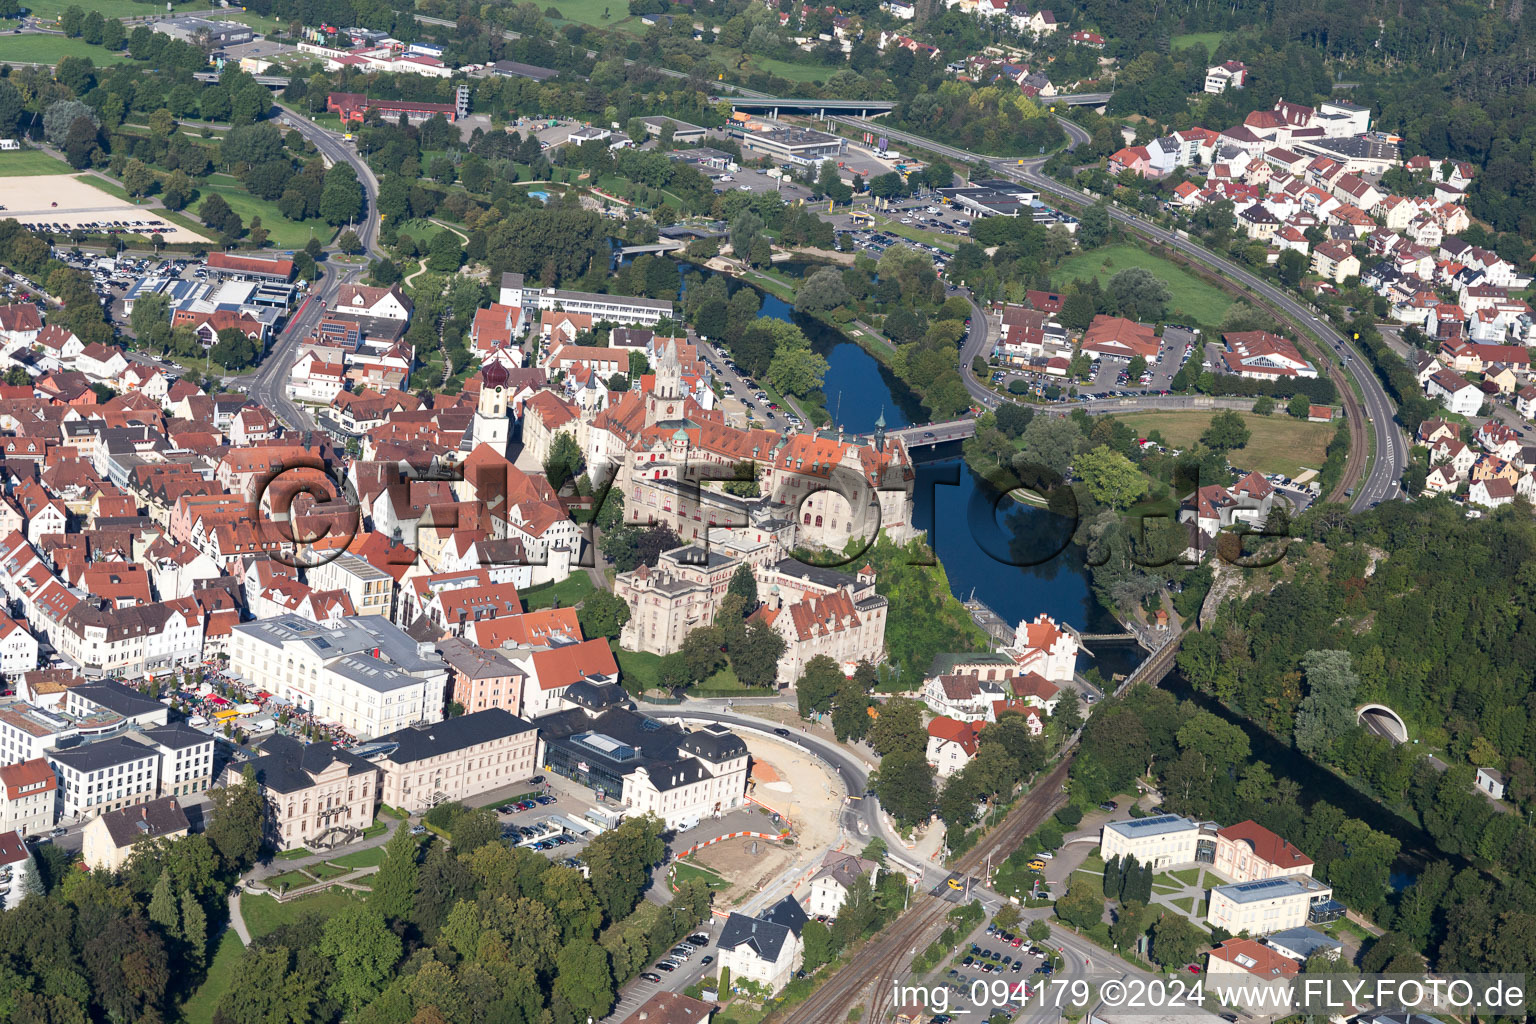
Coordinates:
column 267, row 386
column 1391, row 450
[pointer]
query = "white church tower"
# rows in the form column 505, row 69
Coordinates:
column 492, row 424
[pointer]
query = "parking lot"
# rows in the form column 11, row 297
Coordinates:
column 744, row 389
column 874, row 243
column 1110, row 374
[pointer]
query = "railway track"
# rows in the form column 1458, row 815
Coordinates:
column 873, row 972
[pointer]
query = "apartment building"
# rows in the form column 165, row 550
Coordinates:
column 370, row 589
column 108, row 840
column 106, row 775
column 28, row 790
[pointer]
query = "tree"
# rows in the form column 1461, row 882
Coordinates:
column 746, row 227
column 821, row 291
column 904, row 783
column 1078, row 310
column 234, row 350
column 1292, row 267
column 359, row 945
column 744, row 585
column 701, row 651
column 1298, row 406
column 602, row 614
column 1049, row 444
column 583, row 982
column 621, row 860
column 1012, row 419
column 819, row 945
column 1082, row 906
column 563, row 464
column 1126, row 928
column 445, row 254
column 899, row 727
column 818, row 685
column 755, row 657
column 341, row 200
column 138, row 179
column 1226, row 431
column 1175, row 941
column 1265, row 406
column 1093, row 226
column 394, row 886
column 1038, row 930
column 1111, row 478
column 797, row 370
column 1328, row 711
column 237, row 820
column 349, row 242
column 1138, row 294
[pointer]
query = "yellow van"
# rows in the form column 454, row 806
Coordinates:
column 1037, row 865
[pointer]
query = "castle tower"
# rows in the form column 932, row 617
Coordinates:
column 880, row 431
column 492, row 424
column 669, row 373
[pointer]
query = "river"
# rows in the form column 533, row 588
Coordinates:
column 1017, row 559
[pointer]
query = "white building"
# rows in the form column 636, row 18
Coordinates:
column 766, row 950
column 1454, row 392
column 708, row 779
column 28, row 790
column 617, row 309
column 1165, row 841
column 363, row 674
column 1272, row 905
column 104, row 776
column 370, row 589
column 454, row 759
column 834, row 880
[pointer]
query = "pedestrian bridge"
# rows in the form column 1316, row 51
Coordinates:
column 1383, row 721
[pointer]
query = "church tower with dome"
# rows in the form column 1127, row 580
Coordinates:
column 493, row 426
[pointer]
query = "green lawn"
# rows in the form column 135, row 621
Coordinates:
column 31, row 162
column 590, row 12
column 293, row 854
column 685, row 871
column 788, row 70
column 361, row 859
column 1189, row 876
column 38, row 49
column 199, row 1008
column 284, row 233
column 1209, row 40
column 51, row 9
column 326, row 872
column 1193, row 299
column 567, row 592
column 288, row 879
column 1277, row 443
column 1187, row 904
column 264, row 915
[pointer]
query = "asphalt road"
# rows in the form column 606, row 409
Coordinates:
column 267, row 386
column 1391, row 449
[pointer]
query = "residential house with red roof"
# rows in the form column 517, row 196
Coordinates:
column 952, row 744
